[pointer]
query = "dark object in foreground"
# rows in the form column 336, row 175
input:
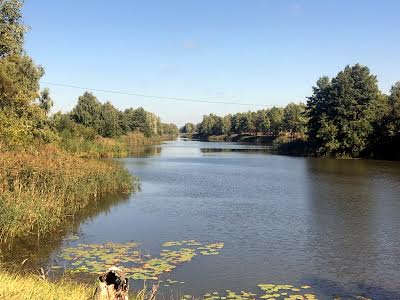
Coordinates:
column 113, row 285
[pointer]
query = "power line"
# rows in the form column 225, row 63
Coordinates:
column 153, row 96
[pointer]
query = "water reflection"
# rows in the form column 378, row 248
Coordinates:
column 232, row 150
column 145, row 151
column 38, row 251
column 348, row 231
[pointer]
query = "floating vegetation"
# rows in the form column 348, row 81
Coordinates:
column 272, row 292
column 211, row 249
column 285, row 291
column 95, row 258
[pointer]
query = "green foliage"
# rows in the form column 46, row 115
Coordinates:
column 295, row 119
column 88, row 112
column 275, row 115
column 110, row 117
column 11, row 28
column 393, row 115
column 169, row 129
column 262, row 121
column 211, row 125
column 19, row 82
column 386, row 136
column 226, row 124
column 342, row 112
column 108, row 121
column 45, row 101
column 268, row 121
column 188, row 128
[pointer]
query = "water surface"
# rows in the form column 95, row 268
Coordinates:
column 332, row 224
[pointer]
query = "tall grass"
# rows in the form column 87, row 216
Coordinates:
column 31, row 287
column 109, row 147
column 41, row 190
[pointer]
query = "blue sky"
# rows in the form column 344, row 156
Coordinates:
column 268, row 52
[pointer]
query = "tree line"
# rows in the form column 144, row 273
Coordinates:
column 346, row 116
column 271, row 122
column 105, row 120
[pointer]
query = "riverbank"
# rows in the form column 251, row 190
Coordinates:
column 31, row 287
column 44, row 189
column 101, row 147
column 237, row 138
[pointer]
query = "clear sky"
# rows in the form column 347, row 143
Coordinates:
column 268, row 52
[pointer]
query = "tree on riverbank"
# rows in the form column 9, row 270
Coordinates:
column 342, row 112
column 346, row 116
column 188, row 128
column 271, row 122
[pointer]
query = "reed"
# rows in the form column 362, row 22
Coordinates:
column 101, row 147
column 40, row 190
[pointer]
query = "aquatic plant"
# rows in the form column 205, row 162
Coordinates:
column 270, row 291
column 94, row 258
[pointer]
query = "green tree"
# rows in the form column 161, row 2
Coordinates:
column 350, row 102
column 393, row 124
column 275, row 116
column 12, row 30
column 19, row 82
column 386, row 137
column 110, row 126
column 45, row 101
column 207, row 126
column 169, row 129
column 295, row 119
column 262, row 122
column 188, row 128
column 88, row 111
column 247, row 123
column 226, row 124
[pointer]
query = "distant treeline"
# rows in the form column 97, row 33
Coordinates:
column 346, row 116
column 107, row 121
column 266, row 121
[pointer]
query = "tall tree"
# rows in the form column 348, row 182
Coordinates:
column 295, row 119
column 349, row 102
column 45, row 101
column 226, row 124
column 275, row 116
column 110, row 126
column 262, row 122
column 88, row 111
column 188, row 128
column 12, row 30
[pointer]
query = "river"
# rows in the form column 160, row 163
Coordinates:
column 330, row 224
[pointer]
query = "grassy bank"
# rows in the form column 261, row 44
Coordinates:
column 31, row 287
column 41, row 190
column 101, row 147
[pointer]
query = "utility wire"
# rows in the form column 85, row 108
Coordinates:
column 152, row 96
